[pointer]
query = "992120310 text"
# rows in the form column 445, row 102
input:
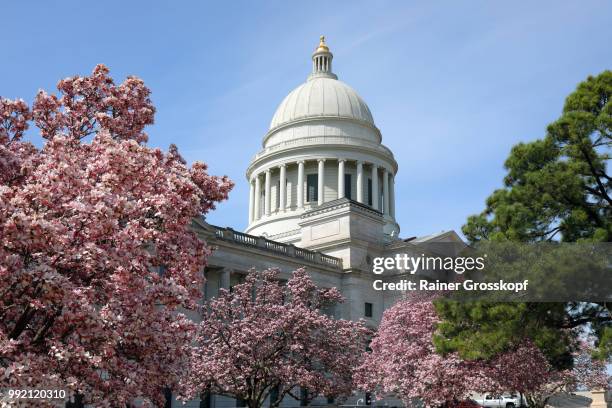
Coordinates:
column 32, row 394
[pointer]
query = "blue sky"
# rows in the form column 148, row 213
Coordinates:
column 451, row 84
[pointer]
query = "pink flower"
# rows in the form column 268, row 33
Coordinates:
column 85, row 223
column 264, row 337
column 404, row 362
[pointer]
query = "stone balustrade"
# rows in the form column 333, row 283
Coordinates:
column 229, row 235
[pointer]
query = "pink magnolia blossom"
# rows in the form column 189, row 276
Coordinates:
column 87, row 104
column 16, row 157
column 86, row 224
column 587, row 373
column 264, row 337
column 404, row 362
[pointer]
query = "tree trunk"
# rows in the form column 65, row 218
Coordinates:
column 254, row 404
column 536, row 402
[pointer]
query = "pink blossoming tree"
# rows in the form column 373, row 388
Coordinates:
column 404, row 362
column 265, row 339
column 96, row 254
column 587, row 373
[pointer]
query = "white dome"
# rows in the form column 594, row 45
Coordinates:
column 322, row 97
column 321, row 128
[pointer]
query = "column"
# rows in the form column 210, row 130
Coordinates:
column 206, row 274
column 300, row 185
column 224, row 279
column 340, row 178
column 267, row 193
column 392, row 196
column 256, row 209
column 283, row 187
column 251, row 199
column 321, row 177
column 375, row 195
column 360, row 181
column 386, row 192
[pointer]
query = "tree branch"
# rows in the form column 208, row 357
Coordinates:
column 595, row 174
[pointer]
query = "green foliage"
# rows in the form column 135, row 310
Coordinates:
column 481, row 330
column 604, row 349
column 556, row 189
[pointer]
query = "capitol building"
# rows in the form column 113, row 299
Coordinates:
column 322, row 196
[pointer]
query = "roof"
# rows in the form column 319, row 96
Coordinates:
column 322, row 97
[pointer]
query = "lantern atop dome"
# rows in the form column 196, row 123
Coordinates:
column 322, row 61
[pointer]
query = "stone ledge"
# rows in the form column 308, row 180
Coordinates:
column 340, row 203
column 279, row 248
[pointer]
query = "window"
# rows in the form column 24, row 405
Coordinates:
column 370, row 191
column 368, row 310
column 78, row 401
column 312, row 188
column 347, row 186
column 274, row 395
column 167, row 398
column 278, row 195
column 205, row 400
column 162, row 271
column 303, row 397
column 238, row 279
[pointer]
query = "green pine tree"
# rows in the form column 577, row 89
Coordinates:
column 556, row 189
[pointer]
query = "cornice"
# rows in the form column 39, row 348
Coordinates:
column 320, row 118
column 342, row 203
column 369, row 150
column 286, row 234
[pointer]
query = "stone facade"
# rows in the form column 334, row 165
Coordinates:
column 321, row 197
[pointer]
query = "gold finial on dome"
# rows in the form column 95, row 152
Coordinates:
column 322, row 45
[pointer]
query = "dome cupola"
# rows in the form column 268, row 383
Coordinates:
column 322, row 145
column 322, row 61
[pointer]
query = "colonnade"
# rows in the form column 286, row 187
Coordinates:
column 255, row 191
